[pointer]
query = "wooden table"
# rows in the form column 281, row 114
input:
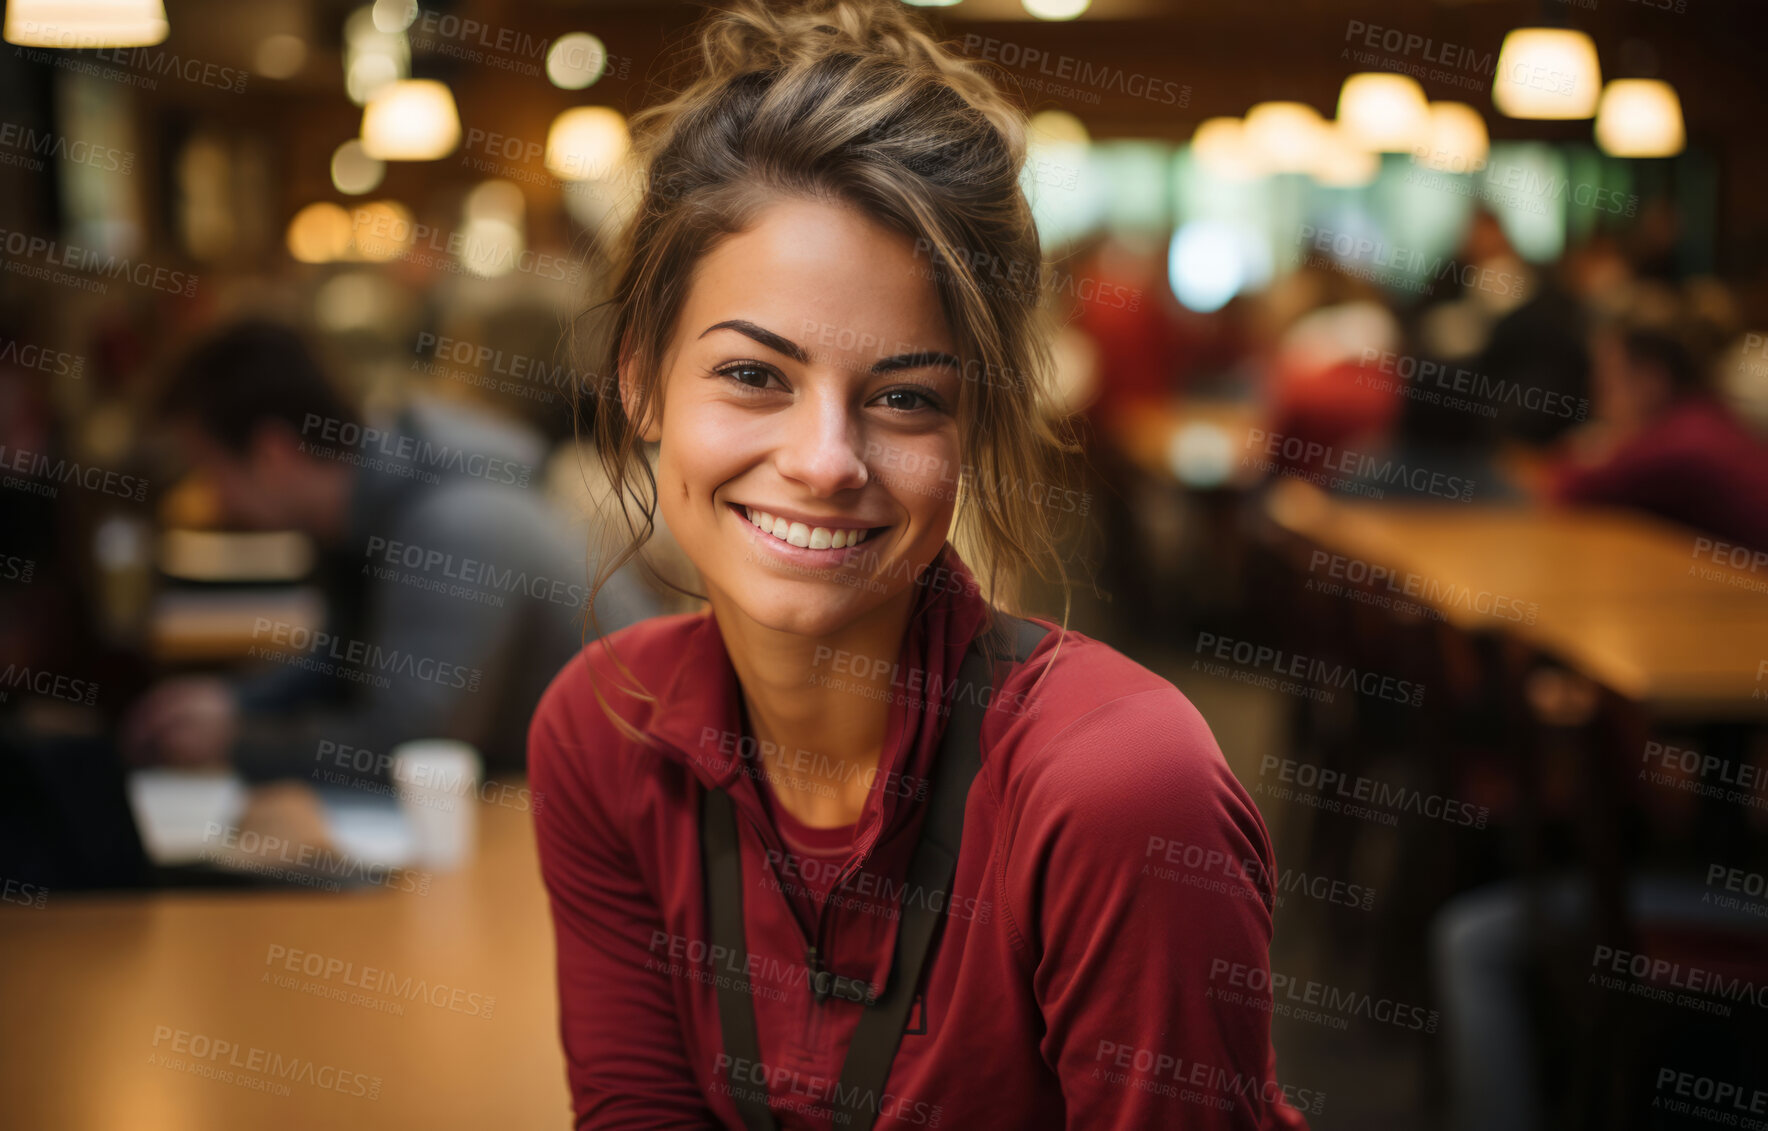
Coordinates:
column 1617, row 596
column 89, row 983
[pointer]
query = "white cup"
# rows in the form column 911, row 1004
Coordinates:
column 438, row 783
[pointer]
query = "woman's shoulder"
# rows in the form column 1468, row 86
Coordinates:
column 1101, row 737
column 1075, row 687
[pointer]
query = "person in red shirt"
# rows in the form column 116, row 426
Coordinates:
column 1666, row 444
column 734, row 808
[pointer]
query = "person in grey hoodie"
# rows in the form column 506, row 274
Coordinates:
column 453, row 590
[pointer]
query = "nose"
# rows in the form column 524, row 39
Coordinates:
column 823, row 444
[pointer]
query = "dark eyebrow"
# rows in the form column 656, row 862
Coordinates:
column 918, row 360
column 760, row 334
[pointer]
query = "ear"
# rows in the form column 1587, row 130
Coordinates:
column 651, row 429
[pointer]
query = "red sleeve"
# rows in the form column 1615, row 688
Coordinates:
column 624, row 1052
column 1658, row 463
column 1609, row 482
column 1128, row 959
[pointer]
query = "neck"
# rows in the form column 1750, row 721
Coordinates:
column 827, row 696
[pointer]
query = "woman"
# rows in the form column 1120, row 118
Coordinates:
column 813, row 860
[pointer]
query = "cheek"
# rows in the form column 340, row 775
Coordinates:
column 923, row 472
column 696, row 458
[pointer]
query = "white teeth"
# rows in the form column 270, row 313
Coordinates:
column 799, row 534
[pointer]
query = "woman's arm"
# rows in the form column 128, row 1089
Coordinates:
column 1139, row 877
column 624, row 1054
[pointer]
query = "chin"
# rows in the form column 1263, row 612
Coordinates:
column 813, row 624
column 803, row 607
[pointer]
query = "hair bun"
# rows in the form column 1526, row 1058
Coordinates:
column 752, row 35
column 761, row 38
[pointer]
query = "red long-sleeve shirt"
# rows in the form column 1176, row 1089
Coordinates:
column 1695, row 464
column 1103, row 957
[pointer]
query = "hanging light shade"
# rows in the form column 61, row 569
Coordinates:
column 1457, row 140
column 1640, row 118
column 1056, row 9
column 1285, row 136
column 1220, row 146
column 85, row 23
column 1383, row 112
column 586, row 143
column 1547, row 73
column 410, row 120
column 1341, row 161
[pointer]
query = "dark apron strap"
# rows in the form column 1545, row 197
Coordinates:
column 736, row 1008
column 860, row 1090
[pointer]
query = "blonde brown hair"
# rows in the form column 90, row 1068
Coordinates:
column 850, row 100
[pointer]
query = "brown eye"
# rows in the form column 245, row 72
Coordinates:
column 907, row 400
column 748, row 374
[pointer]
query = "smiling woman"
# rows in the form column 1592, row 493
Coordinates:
column 857, row 845
column 758, row 423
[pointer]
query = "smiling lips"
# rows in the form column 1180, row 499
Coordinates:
column 804, row 535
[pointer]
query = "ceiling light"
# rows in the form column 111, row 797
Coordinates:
column 85, row 23
column 1547, row 73
column 1382, row 112
column 1285, row 136
column 410, row 120
column 1640, row 118
column 1457, row 140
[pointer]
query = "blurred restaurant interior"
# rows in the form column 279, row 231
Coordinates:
column 1421, row 339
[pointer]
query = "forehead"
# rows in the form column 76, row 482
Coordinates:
column 826, row 276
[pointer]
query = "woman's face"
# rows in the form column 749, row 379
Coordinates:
column 811, row 385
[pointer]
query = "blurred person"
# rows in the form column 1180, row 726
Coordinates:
column 1328, row 402
column 1493, row 278
column 1540, row 348
column 1655, row 241
column 1485, row 961
column 453, row 592
column 1664, row 443
column 1440, row 447
column 1453, row 326
column 1144, row 351
column 918, row 856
